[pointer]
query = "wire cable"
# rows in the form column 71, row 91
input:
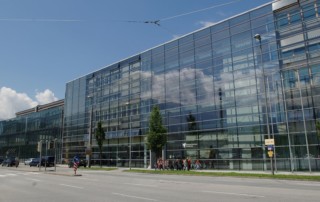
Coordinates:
column 197, row 11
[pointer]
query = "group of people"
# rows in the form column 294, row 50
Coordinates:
column 178, row 164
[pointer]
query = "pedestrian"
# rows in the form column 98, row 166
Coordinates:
column 16, row 162
column 185, row 164
column 76, row 162
column 198, row 164
column 189, row 163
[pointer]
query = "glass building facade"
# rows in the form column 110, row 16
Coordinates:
column 222, row 91
column 19, row 136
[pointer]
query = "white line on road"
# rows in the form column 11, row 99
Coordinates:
column 82, row 178
column 144, row 185
column 236, row 194
column 306, row 184
column 137, row 197
column 66, row 185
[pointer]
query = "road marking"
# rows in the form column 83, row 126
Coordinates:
column 66, row 185
column 2, row 175
column 235, row 194
column 144, row 185
column 305, row 184
column 10, row 174
column 175, row 182
column 137, row 197
column 82, row 178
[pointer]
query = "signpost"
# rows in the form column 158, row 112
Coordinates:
column 270, row 145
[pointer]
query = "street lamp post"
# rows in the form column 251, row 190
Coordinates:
column 258, row 37
column 55, row 153
column 130, row 140
column 40, row 150
column 90, row 137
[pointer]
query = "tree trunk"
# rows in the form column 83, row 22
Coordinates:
column 100, row 158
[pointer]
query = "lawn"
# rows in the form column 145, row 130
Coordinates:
column 229, row 174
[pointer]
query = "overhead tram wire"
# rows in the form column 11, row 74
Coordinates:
column 155, row 22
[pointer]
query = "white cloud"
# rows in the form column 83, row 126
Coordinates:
column 176, row 36
column 11, row 101
column 206, row 23
column 45, row 97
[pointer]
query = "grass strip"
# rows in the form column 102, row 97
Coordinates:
column 229, row 174
column 98, row 168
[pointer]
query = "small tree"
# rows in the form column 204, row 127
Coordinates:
column 156, row 137
column 100, row 137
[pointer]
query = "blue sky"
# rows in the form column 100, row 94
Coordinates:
column 46, row 43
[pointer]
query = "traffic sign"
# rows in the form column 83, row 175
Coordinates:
column 269, row 141
column 270, row 154
column 270, row 147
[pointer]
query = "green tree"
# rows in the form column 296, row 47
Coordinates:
column 100, row 137
column 156, row 137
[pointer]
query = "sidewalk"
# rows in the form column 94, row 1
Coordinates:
column 58, row 170
column 66, row 171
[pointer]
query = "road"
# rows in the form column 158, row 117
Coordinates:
column 116, row 186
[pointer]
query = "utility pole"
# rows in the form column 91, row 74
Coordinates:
column 130, row 138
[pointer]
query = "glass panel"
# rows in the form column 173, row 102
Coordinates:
column 202, row 33
column 240, row 28
column 220, row 26
column 309, row 12
column 241, row 41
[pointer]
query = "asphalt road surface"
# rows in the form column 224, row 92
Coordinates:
column 116, row 186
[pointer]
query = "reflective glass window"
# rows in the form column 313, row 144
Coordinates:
column 203, row 53
column 186, row 39
column 261, row 11
column 239, row 19
column 203, row 41
column 221, row 47
column 172, row 62
column 295, row 16
column 171, row 45
column 186, row 47
column 309, row 12
column 221, row 26
column 241, row 41
column 187, row 57
column 158, row 50
column 202, row 33
column 240, row 28
column 282, row 20
column 220, row 35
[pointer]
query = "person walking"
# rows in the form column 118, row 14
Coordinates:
column 16, row 162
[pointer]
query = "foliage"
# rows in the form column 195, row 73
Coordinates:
column 100, row 137
column 318, row 127
column 99, row 168
column 156, row 137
